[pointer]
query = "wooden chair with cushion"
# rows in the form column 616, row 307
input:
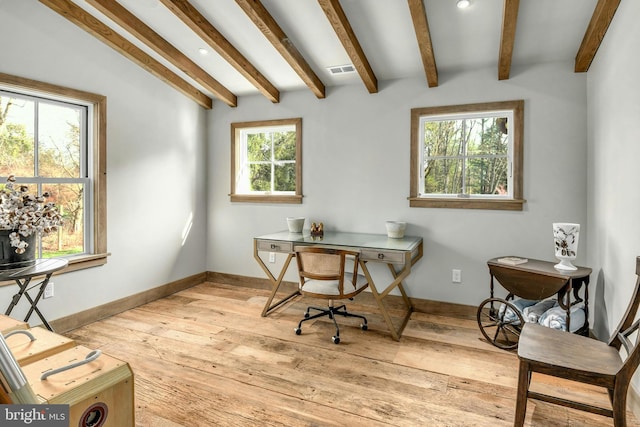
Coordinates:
column 323, row 274
column 578, row 358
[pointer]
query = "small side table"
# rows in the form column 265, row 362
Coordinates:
column 23, row 276
column 537, row 280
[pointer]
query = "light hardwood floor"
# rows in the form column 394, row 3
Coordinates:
column 205, row 357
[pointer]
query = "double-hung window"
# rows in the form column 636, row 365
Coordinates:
column 52, row 140
column 467, row 156
column 266, row 161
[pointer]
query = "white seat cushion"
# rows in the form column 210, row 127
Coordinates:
column 330, row 287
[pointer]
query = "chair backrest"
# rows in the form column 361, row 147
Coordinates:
column 318, row 263
column 628, row 325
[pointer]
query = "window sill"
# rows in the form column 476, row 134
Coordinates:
column 81, row 262
column 76, row 263
column 266, row 198
column 493, row 204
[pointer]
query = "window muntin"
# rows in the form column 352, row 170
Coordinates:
column 467, row 156
column 266, row 161
column 43, row 143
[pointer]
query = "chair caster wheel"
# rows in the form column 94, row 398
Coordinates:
column 364, row 327
column 298, row 331
column 336, row 340
column 306, row 315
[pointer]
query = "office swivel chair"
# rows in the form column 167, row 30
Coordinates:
column 581, row 359
column 323, row 275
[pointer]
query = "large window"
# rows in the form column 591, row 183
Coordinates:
column 266, row 161
column 52, row 139
column 467, row 156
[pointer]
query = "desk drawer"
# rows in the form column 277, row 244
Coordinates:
column 275, row 246
column 391, row 257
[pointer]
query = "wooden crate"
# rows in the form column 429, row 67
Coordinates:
column 100, row 391
column 45, row 344
column 8, row 324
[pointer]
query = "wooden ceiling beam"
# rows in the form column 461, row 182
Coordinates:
column 272, row 31
column 207, row 32
column 598, row 26
column 121, row 16
column 423, row 36
column 102, row 32
column 341, row 26
column 507, row 37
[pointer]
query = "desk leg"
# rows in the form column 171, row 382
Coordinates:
column 379, row 296
column 275, row 283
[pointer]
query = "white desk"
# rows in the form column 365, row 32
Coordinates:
column 398, row 254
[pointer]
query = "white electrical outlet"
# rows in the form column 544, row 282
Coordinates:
column 456, row 276
column 48, row 291
column 272, row 257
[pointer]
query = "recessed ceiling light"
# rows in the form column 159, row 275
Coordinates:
column 463, row 4
column 203, row 51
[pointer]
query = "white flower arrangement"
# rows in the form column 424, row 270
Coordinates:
column 26, row 214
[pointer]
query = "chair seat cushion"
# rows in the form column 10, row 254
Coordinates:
column 585, row 357
column 331, row 287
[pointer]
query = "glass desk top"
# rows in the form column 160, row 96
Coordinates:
column 346, row 239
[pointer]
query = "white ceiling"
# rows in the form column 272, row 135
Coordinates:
column 463, row 39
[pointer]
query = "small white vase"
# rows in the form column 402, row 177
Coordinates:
column 395, row 229
column 295, row 224
column 565, row 238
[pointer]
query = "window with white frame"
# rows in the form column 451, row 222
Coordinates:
column 52, row 139
column 467, row 156
column 266, row 161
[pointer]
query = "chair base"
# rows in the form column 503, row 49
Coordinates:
column 332, row 312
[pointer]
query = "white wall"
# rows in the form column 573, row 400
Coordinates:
column 355, row 175
column 155, row 162
column 356, row 160
column 614, row 150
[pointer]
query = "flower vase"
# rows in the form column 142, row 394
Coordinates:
column 8, row 256
column 565, row 237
